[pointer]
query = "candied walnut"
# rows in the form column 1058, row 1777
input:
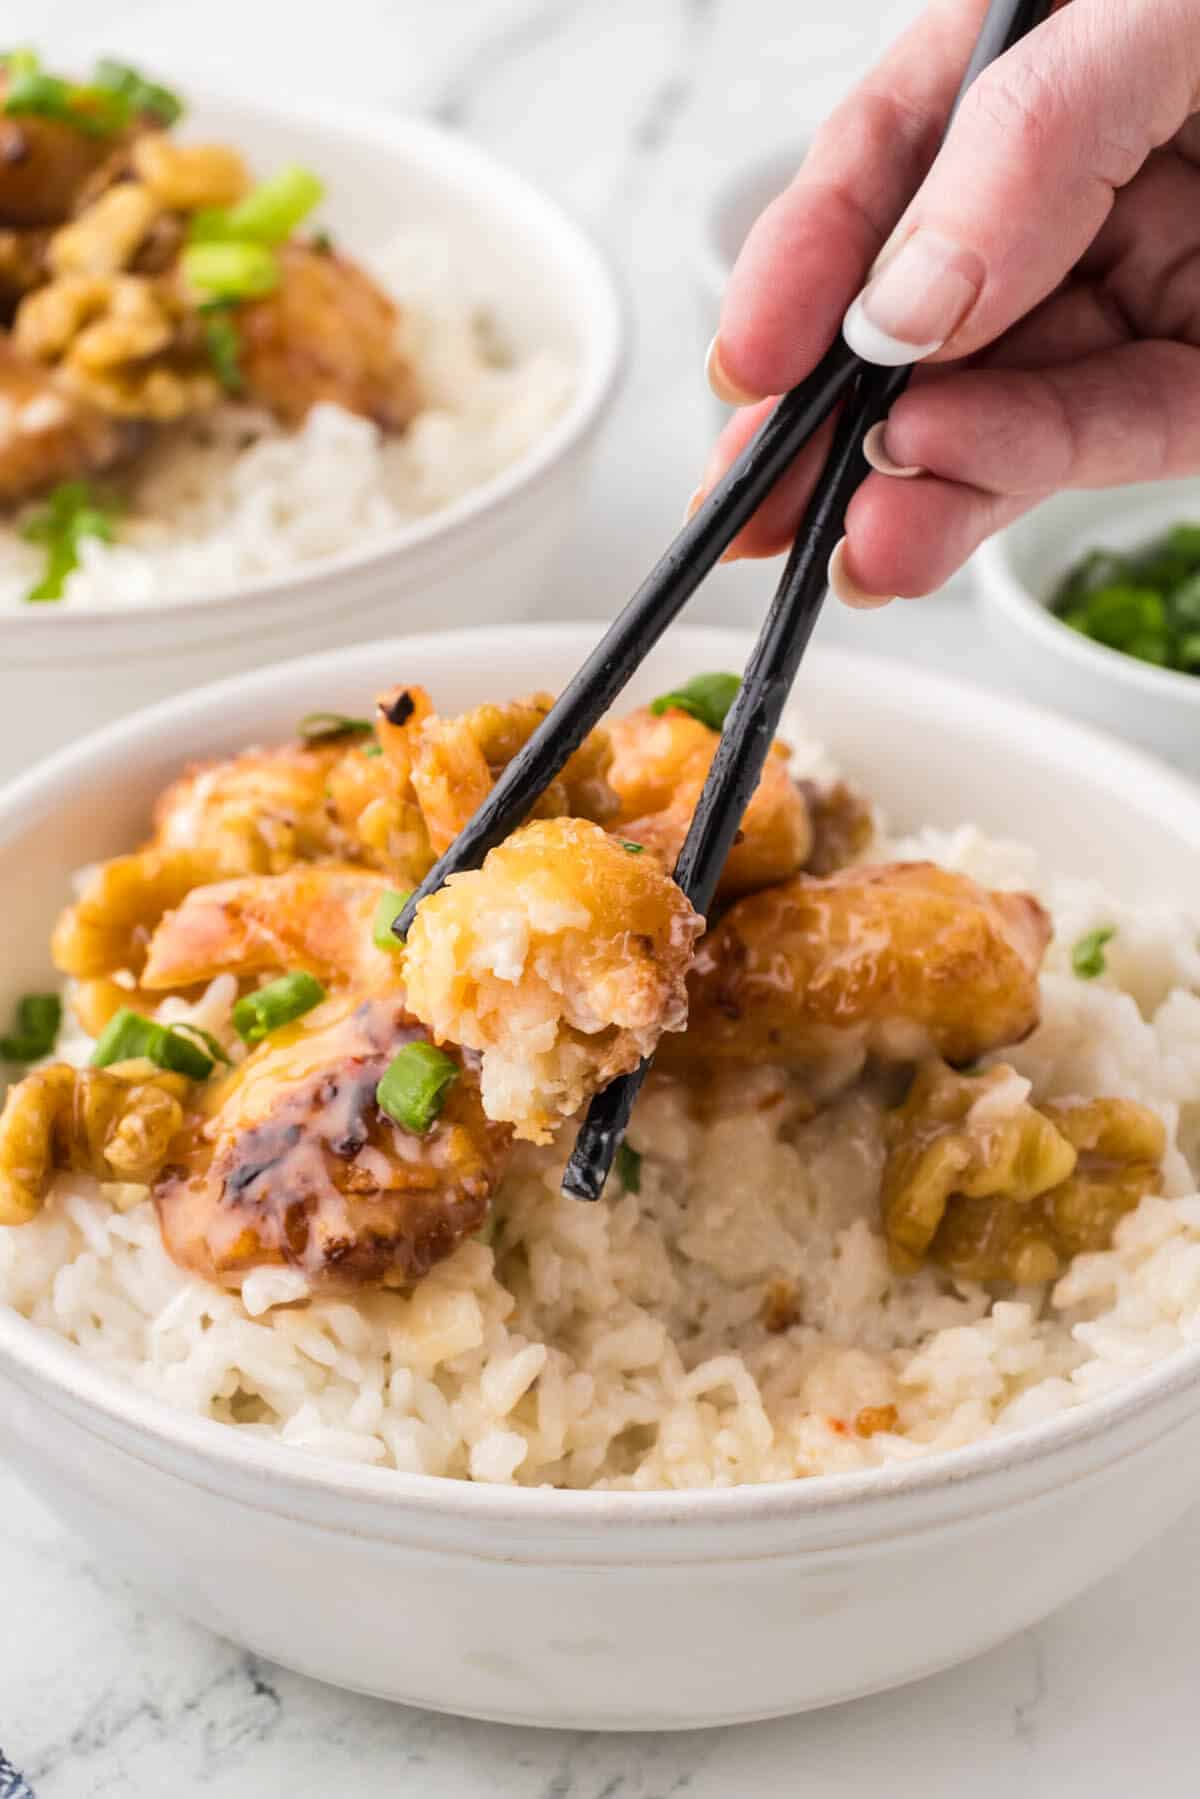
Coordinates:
column 290, row 1161
column 842, row 826
column 115, row 1123
column 118, row 342
column 187, row 177
column 106, row 238
column 111, row 922
column 893, row 961
column 659, row 766
column 561, row 960
column 994, row 1190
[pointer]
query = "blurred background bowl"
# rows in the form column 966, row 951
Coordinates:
column 1016, row 574
column 487, row 556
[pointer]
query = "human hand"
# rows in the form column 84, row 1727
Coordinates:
column 1046, row 275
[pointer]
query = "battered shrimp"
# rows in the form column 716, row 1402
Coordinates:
column 313, row 917
column 327, row 333
column 48, row 435
column 658, row 769
column 894, row 961
column 290, row 1160
column 562, row 960
column 260, row 812
column 452, row 763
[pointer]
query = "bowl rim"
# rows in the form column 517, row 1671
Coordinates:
column 34, row 1355
column 1006, row 590
column 603, row 318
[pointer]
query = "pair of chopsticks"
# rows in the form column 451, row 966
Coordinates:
column 868, row 394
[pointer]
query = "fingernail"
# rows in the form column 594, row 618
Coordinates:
column 847, row 588
column 693, row 505
column 719, row 381
column 875, row 451
column 915, row 301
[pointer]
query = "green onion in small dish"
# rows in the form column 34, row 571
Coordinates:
column 1144, row 602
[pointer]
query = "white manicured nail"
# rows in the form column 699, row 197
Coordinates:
column 915, row 301
column 875, row 451
column 847, row 588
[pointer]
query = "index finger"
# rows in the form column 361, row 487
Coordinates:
column 808, row 254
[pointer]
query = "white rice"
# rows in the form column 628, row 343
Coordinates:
column 622, row 1344
column 233, row 496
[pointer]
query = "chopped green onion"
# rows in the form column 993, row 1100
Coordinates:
column 1087, row 957
column 322, row 243
column 221, row 342
column 70, row 514
column 706, row 697
column 316, row 727
column 414, row 1085
column 142, row 98
column 373, row 749
column 256, row 1015
column 629, row 1169
column 38, row 1018
column 128, row 1037
column 207, row 1039
column 635, row 849
column 230, row 271
column 391, row 905
column 268, row 215
column 33, row 93
column 1144, row 602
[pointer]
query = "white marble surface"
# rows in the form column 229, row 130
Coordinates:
column 628, row 110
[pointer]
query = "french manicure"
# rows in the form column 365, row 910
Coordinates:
column 847, row 588
column 915, row 301
column 876, row 452
column 719, row 381
column 693, row 505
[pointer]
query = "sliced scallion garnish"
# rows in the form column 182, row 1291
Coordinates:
column 128, row 1037
column 71, row 513
column 706, row 697
column 32, row 92
column 257, row 1014
column 1087, row 955
column 391, row 905
column 318, row 727
column 38, row 1017
column 230, row 271
column 221, row 342
column 142, row 98
column 414, row 1085
column 268, row 215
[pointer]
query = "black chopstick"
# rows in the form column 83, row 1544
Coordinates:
column 750, row 728
column 661, row 597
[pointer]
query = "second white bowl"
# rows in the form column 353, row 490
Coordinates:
column 487, row 556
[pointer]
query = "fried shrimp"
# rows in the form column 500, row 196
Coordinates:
column 893, row 961
column 259, row 812
column 658, row 768
column 316, row 917
column 290, row 1161
column 562, row 960
column 327, row 333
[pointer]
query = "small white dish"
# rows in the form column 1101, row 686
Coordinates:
column 486, row 556
column 608, row 1610
column 1017, row 572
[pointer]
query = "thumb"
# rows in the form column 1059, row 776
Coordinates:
column 1027, row 176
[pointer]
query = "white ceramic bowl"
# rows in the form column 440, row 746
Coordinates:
column 487, row 556
column 608, row 1610
column 1017, row 572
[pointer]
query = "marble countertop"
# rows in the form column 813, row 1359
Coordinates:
column 628, row 113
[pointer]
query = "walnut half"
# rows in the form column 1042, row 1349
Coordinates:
column 1010, row 1192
